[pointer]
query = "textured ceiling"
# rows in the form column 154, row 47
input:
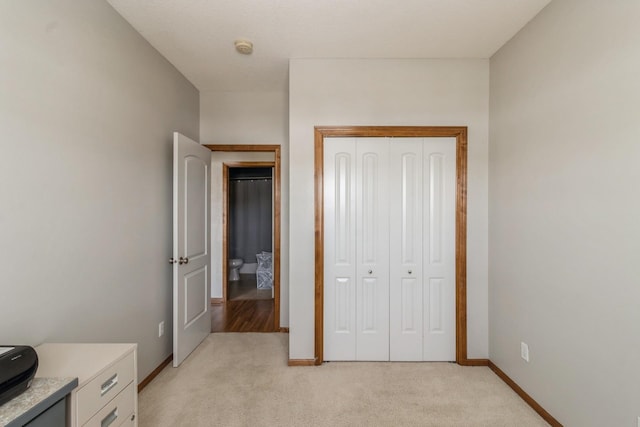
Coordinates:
column 197, row 36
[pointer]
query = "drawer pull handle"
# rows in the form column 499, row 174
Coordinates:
column 110, row 418
column 108, row 385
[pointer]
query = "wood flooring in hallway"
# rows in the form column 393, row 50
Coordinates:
column 248, row 310
column 243, row 316
column 246, row 288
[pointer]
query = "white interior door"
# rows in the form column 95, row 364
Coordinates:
column 191, row 246
column 389, row 249
column 339, row 249
column 372, row 249
column 405, row 299
column 439, row 281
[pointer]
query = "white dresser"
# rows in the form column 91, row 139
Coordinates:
column 107, row 394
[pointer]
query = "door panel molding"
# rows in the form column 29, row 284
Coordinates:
column 342, row 281
column 458, row 132
column 191, row 244
column 371, row 245
column 406, row 254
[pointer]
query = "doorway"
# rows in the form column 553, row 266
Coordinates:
column 248, row 193
column 238, row 309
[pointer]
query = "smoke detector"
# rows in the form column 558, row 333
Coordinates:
column 244, row 47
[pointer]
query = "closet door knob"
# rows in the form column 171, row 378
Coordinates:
column 172, row 260
column 370, row 271
column 184, row 260
column 409, row 271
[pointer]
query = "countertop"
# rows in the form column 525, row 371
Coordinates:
column 43, row 393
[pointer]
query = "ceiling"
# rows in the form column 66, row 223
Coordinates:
column 197, row 36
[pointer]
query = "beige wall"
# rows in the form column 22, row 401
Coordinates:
column 87, row 112
column 243, row 117
column 384, row 92
column 564, row 209
column 248, row 118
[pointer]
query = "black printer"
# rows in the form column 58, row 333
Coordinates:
column 18, row 366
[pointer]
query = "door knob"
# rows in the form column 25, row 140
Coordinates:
column 409, row 271
column 172, row 260
column 183, row 260
column 370, row 271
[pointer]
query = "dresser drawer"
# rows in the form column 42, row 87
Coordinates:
column 117, row 412
column 104, row 387
column 130, row 420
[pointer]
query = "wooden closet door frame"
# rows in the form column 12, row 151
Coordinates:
column 458, row 132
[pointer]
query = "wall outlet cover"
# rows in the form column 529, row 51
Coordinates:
column 524, row 351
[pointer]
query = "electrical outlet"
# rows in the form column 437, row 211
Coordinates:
column 160, row 329
column 524, row 351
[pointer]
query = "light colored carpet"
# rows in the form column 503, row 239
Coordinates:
column 235, row 379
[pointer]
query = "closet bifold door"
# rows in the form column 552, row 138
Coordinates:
column 406, row 220
column 372, row 249
column 439, row 257
column 339, row 182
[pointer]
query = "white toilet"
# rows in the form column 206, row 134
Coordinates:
column 234, row 269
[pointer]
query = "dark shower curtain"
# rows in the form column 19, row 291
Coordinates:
column 249, row 218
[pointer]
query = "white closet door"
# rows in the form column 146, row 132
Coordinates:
column 339, row 249
column 389, row 249
column 406, row 299
column 372, row 231
column 439, row 249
